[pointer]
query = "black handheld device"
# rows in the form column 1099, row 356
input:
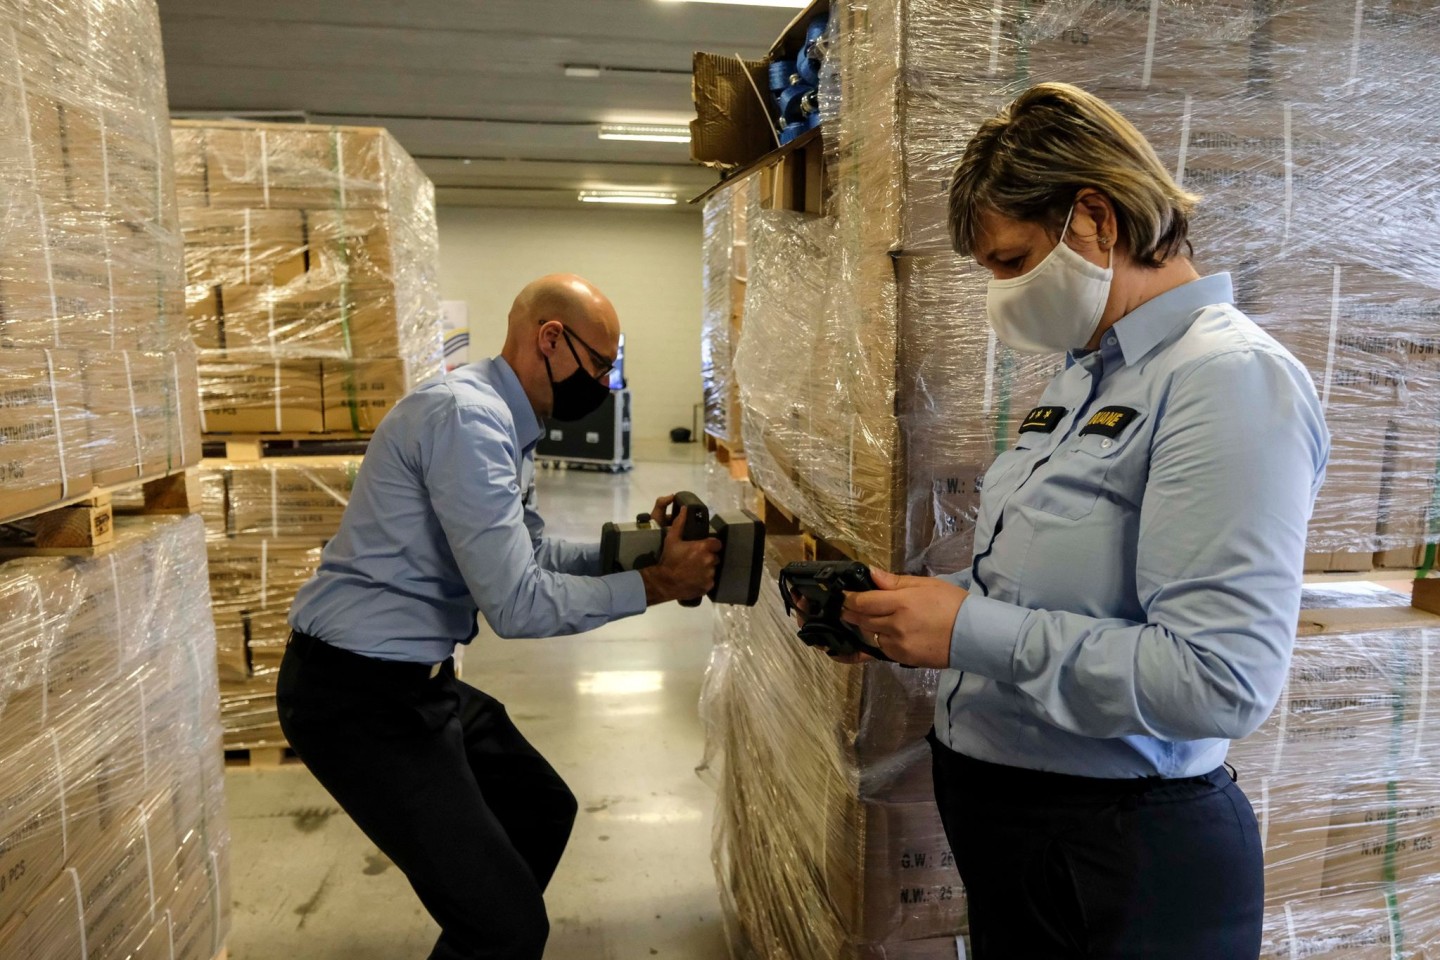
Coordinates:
column 816, row 590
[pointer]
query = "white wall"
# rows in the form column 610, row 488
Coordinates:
column 647, row 263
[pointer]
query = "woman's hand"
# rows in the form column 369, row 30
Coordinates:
column 910, row 618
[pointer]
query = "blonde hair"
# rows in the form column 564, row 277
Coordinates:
column 1030, row 160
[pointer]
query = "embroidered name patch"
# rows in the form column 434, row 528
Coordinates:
column 1110, row 422
column 1042, row 420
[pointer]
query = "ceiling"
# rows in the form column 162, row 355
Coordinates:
column 474, row 89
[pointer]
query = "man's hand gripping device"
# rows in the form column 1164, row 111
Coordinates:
column 634, row 546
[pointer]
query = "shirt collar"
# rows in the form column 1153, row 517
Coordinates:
column 528, row 428
column 1154, row 321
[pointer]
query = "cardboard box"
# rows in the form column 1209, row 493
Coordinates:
column 287, row 166
column 327, row 320
column 202, row 311
column 1374, row 924
column 31, row 812
column 282, row 397
column 49, row 926
column 351, row 245
column 252, row 575
column 245, row 246
column 358, row 393
column 1382, row 831
column 302, row 497
column 43, row 433
column 1294, row 814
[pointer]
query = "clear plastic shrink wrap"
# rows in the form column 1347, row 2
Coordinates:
column 97, row 372
column 266, row 525
column 1303, row 124
column 113, row 836
column 723, row 249
column 311, row 259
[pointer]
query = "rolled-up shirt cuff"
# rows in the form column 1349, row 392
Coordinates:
column 627, row 593
column 985, row 636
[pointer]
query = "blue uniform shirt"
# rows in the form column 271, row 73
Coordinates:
column 441, row 525
column 1138, row 554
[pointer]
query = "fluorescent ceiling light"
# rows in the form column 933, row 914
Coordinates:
column 792, row 4
column 628, row 196
column 653, row 133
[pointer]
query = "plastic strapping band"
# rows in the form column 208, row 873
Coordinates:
column 277, row 396
column 959, row 948
column 264, row 574
column 1184, row 142
column 119, row 618
column 1264, row 813
column 41, row 219
column 179, row 419
column 987, row 402
column 270, row 316
column 59, row 430
column 144, row 734
column 45, row 667
column 997, row 17
column 274, row 501
column 215, row 942
column 64, row 804
column 265, row 167
column 340, row 165
column 1355, row 43
column 1150, row 44
column 1424, row 704
column 1330, row 343
column 105, row 227
column 134, row 415
column 1289, row 176
column 248, row 241
column 170, row 931
column 149, row 859
column 1290, row 930
column 79, row 908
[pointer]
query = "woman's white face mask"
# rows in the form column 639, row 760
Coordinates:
column 1056, row 306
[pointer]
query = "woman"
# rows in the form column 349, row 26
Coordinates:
column 1137, row 567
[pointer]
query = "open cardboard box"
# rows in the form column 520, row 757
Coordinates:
column 735, row 123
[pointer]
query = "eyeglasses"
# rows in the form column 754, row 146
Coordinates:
column 606, row 364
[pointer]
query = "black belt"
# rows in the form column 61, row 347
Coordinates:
column 347, row 663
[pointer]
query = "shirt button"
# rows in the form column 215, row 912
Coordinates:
column 1110, row 340
column 1107, row 444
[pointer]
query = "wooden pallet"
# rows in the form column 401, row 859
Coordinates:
column 247, row 449
column 261, row 758
column 781, row 522
column 84, row 526
column 726, row 456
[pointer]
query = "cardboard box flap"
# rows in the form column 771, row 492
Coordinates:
column 732, row 125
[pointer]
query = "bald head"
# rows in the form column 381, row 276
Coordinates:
column 573, row 301
column 536, row 346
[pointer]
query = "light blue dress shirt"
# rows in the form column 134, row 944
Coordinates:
column 1139, row 553
column 441, row 524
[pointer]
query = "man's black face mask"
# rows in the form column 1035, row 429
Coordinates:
column 578, row 395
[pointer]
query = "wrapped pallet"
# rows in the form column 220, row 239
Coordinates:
column 267, row 522
column 97, row 372
column 311, row 260
column 723, row 252
column 1296, row 121
column 113, row 836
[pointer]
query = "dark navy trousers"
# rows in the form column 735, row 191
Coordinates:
column 436, row 775
column 1072, row 867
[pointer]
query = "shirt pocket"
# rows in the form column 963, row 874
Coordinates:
column 1081, row 470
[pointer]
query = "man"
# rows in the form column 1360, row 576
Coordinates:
column 441, row 524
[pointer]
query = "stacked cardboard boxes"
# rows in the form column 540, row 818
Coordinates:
column 113, row 837
column 723, row 251
column 876, row 356
column 310, row 266
column 266, row 523
column 97, row 372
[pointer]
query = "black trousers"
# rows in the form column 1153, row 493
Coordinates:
column 436, row 775
column 1069, row 867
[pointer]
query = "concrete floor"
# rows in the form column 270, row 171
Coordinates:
column 615, row 711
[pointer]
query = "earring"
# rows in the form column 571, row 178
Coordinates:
column 1104, row 242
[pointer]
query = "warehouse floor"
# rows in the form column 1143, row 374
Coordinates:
column 615, row 712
